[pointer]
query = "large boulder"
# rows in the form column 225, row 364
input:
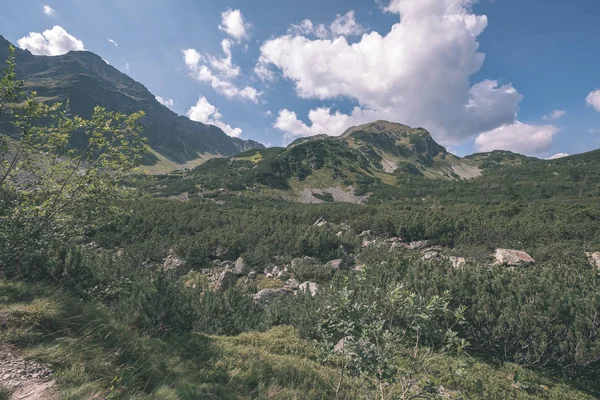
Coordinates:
column 512, row 257
column 594, row 258
column 266, row 295
column 172, row 261
column 311, row 287
column 225, row 280
column 240, row 267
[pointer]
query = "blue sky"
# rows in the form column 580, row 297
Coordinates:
column 504, row 74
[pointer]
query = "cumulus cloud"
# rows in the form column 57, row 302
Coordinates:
column 233, row 24
column 220, row 73
column 206, row 113
column 343, row 25
column 517, row 137
column 418, row 74
column 113, row 42
column 51, row 42
column 593, row 99
column 558, row 155
column 554, row 115
column 165, row 101
column 49, row 11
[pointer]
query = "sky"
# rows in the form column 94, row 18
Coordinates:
column 480, row 75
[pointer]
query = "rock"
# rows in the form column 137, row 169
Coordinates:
column 292, row 284
column 594, row 258
column 276, row 270
column 512, row 257
column 341, row 344
column 283, row 275
column 240, row 267
column 226, row 280
column 431, row 255
column 365, row 234
column 339, row 234
column 311, row 287
column 418, row 245
column 359, row 268
column 457, row 262
column 252, row 275
column 339, row 264
column 172, row 261
column 320, row 222
column 368, row 243
column 270, row 294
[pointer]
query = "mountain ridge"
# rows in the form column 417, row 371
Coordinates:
column 86, row 80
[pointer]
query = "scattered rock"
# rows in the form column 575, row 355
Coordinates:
column 512, row 257
column 594, row 258
column 270, row 294
column 226, row 280
column 311, row 287
column 240, row 267
column 29, row 379
column 172, row 261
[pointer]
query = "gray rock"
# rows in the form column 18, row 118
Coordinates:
column 311, row 287
column 283, row 275
column 226, row 280
column 292, row 284
column 457, row 262
column 172, row 261
column 240, row 267
column 252, row 275
column 266, row 295
column 594, row 258
column 320, row 222
column 418, row 244
column 339, row 264
column 512, row 257
column 431, row 255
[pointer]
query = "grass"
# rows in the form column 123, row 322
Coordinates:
column 92, row 354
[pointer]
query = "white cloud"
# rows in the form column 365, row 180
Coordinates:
column 268, row 113
column 49, row 11
column 417, row 74
column 593, row 130
column 554, row 115
column 233, row 24
column 346, row 25
column 127, row 65
column 558, row 155
column 113, row 42
column 51, row 42
column 343, row 25
column 517, row 137
column 165, row 101
column 593, row 99
column 219, row 72
column 206, row 113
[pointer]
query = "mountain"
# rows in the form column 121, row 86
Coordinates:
column 385, row 161
column 87, row 80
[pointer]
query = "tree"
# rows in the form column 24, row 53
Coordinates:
column 59, row 173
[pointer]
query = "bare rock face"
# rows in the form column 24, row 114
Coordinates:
column 240, row 267
column 172, row 261
column 311, row 287
column 266, row 295
column 226, row 280
column 594, row 258
column 512, row 257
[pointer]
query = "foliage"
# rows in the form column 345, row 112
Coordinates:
column 49, row 190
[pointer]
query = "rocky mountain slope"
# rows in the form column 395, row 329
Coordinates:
column 86, row 80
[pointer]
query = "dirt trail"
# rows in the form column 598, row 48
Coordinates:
column 29, row 380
